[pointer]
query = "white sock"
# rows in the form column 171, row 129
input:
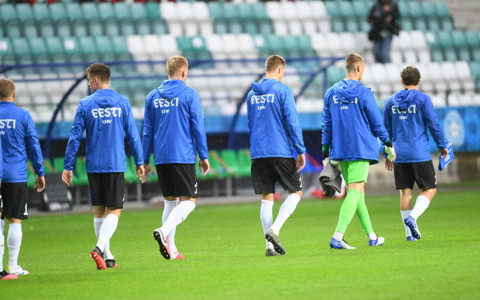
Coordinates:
column 107, row 230
column 338, row 235
column 97, row 224
column 168, row 206
column 406, row 213
column 14, row 241
column 372, row 236
column 177, row 216
column 2, row 244
column 421, row 205
column 287, row 208
column 266, row 216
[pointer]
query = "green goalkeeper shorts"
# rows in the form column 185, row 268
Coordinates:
column 355, row 171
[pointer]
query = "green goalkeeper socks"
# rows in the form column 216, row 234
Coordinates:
column 347, row 211
column 363, row 216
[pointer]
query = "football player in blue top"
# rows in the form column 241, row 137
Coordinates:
column 351, row 125
column 408, row 117
column 275, row 135
column 106, row 117
column 19, row 141
column 174, row 129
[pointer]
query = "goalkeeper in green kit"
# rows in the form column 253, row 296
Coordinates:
column 351, row 125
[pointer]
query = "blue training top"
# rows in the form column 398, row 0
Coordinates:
column 408, row 115
column 174, row 125
column 272, row 121
column 106, row 116
column 352, row 122
column 19, row 139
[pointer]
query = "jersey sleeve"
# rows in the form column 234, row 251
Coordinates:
column 432, row 123
column 76, row 134
column 292, row 124
column 133, row 137
column 33, row 147
column 327, row 120
column 387, row 118
column 197, row 126
column 374, row 117
column 147, row 137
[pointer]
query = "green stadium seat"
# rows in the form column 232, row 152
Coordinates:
column 473, row 39
column 39, row 52
column 131, row 173
column 30, row 175
column 433, row 24
column 139, row 16
column 416, row 10
column 137, row 11
column 265, row 26
column 30, row 30
column 122, row 11
column 55, row 49
column 91, row 11
column 58, row 164
column 346, row 10
column 72, row 49
column 88, row 49
column 24, row 13
column 360, row 10
column 106, row 12
column 290, row 44
column 351, row 25
column 335, row 74
column 94, row 28
column 80, row 176
column 7, row 54
column 450, row 54
column 437, row 55
column 230, row 157
column 104, row 48
column 337, row 25
column 23, row 54
column 421, row 24
column 9, row 17
column 404, row 9
column 333, row 9
column 58, row 12
column 152, row 10
column 44, row 21
column 111, row 29
column 406, row 24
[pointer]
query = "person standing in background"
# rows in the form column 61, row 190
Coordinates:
column 383, row 18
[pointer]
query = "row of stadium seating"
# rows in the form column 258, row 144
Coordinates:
column 226, row 163
column 186, row 18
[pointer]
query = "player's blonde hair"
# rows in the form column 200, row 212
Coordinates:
column 176, row 65
column 352, row 61
column 273, row 62
column 7, row 88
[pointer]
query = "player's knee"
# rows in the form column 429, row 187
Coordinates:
column 429, row 193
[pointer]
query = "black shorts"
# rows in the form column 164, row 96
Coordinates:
column 423, row 173
column 14, row 200
column 177, row 180
column 268, row 171
column 107, row 189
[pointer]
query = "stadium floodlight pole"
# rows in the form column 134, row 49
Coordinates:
column 48, row 138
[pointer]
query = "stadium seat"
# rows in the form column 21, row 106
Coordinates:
column 25, row 16
column 72, row 49
column 172, row 17
column 202, row 17
column 43, row 20
column 9, row 20
column 7, row 54
column 23, row 53
column 88, row 49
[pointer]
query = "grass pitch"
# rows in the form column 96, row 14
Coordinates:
column 224, row 255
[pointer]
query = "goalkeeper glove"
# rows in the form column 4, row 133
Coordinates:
column 325, row 151
column 390, row 153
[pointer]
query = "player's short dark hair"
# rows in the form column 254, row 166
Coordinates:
column 410, row 76
column 99, row 70
column 273, row 62
column 352, row 60
column 7, row 88
column 176, row 64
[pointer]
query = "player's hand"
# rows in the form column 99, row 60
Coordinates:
column 204, row 166
column 141, row 173
column 443, row 152
column 147, row 170
column 391, row 154
column 388, row 165
column 40, row 183
column 300, row 162
column 67, row 177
